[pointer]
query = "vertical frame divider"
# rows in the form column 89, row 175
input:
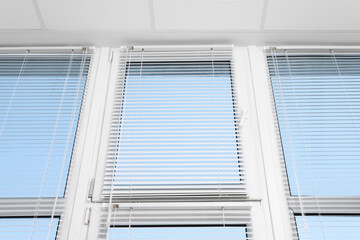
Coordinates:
column 276, row 192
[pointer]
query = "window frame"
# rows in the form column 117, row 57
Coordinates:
column 269, row 209
column 131, row 61
column 258, row 198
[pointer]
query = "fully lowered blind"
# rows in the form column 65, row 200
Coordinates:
column 175, row 132
column 41, row 94
column 317, row 97
column 40, row 99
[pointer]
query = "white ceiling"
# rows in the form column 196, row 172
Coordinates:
column 116, row 22
column 18, row 14
column 337, row 15
column 207, row 14
column 95, row 14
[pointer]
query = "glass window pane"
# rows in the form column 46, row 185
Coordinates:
column 28, row 228
column 328, row 227
column 177, row 131
column 317, row 101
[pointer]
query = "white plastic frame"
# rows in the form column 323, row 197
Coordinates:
column 266, row 193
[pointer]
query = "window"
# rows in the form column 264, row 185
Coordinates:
column 174, row 144
column 317, row 102
column 316, row 95
column 40, row 101
column 179, row 142
column 175, row 132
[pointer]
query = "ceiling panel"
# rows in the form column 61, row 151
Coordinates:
column 18, row 14
column 313, row 15
column 95, row 14
column 207, row 14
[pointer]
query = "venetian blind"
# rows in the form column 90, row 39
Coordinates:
column 175, row 131
column 41, row 93
column 317, row 102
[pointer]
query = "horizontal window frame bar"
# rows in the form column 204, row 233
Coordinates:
column 39, row 207
column 319, row 205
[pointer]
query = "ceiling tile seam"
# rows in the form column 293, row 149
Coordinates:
column 152, row 14
column 264, row 14
column 38, row 14
column 148, row 31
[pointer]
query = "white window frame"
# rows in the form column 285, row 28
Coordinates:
column 270, row 217
column 267, row 194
